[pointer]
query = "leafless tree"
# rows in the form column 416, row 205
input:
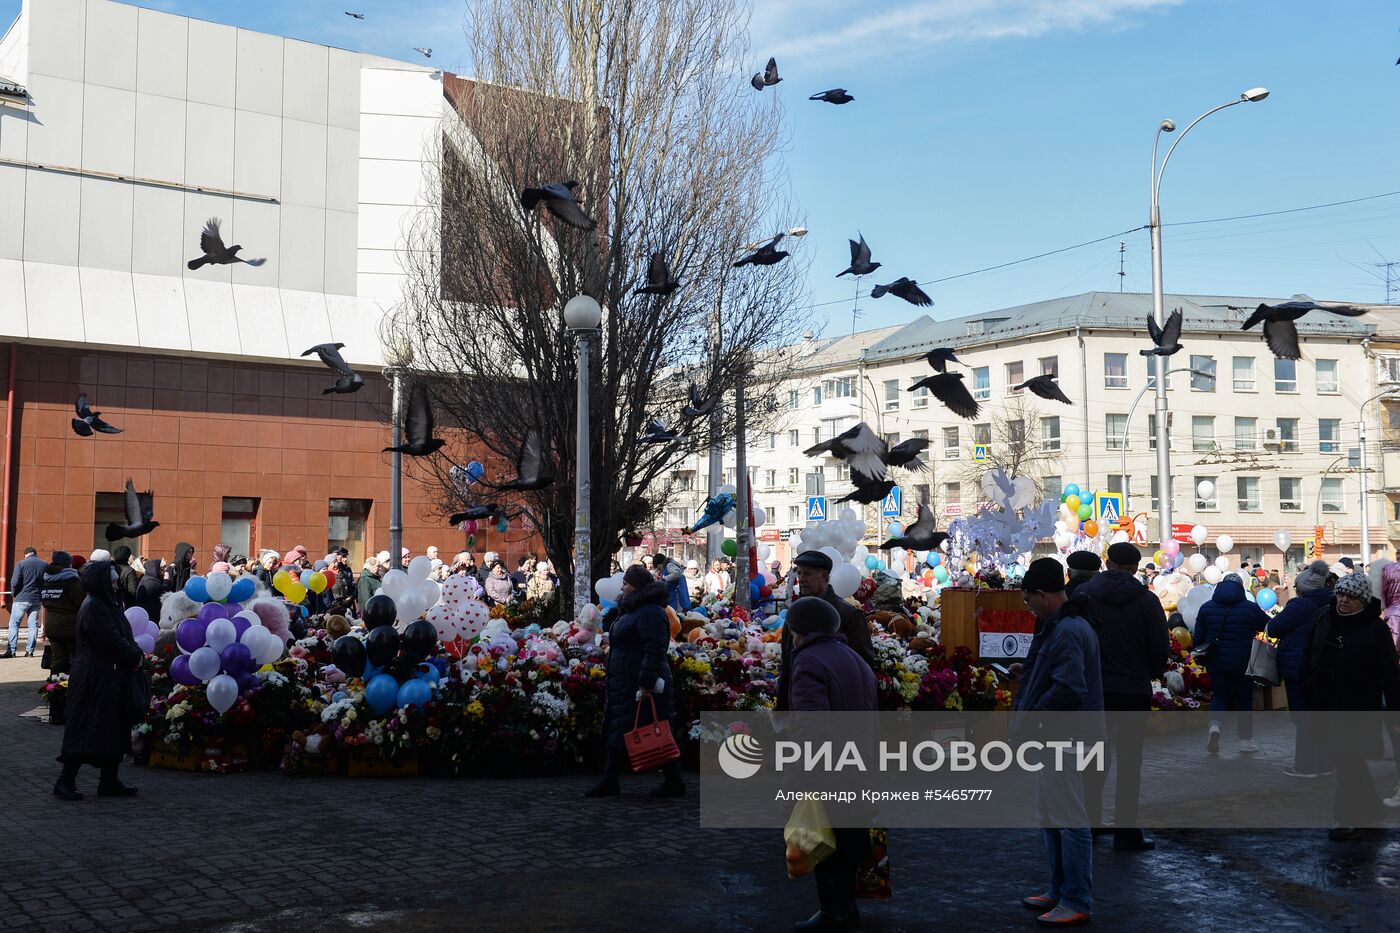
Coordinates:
column 645, row 104
column 1017, row 445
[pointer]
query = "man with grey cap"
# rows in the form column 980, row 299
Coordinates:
column 827, row 676
column 1083, row 567
column 813, row 569
column 1293, row 627
column 1134, row 650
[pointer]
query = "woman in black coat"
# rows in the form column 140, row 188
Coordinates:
column 150, row 588
column 98, row 728
column 1350, row 667
column 638, row 638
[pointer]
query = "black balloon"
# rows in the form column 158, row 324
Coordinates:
column 382, row 645
column 348, row 652
column 380, row 610
column 419, row 639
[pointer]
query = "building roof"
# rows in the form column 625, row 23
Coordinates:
column 1095, row 311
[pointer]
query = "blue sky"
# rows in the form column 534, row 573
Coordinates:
column 985, row 131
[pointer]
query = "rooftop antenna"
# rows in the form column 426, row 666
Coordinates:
column 1122, row 249
column 855, row 308
column 1392, row 281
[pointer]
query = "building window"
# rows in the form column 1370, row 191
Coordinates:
column 1151, row 362
column 772, row 440
column 922, row 494
column 1202, row 432
column 1206, row 505
column 1327, row 383
column 816, row 483
column 816, row 395
column 1288, row 435
column 793, row 438
column 239, row 525
column 840, row 387
column 1117, row 483
column 1015, row 375
column 982, row 383
column 1115, row 370
column 729, row 476
column 1115, row 431
column 1152, row 430
column 921, row 397
column 1016, row 432
column 950, row 443
column 1050, row 487
column 772, row 479
column 345, row 526
column 817, row 434
column 1285, row 375
column 1155, row 505
column 1243, row 369
column 891, row 438
column 891, row 395
column 794, row 476
column 111, row 507
column 952, row 497
column 1329, row 435
column 794, row 400
column 1203, row 377
column 921, row 435
column 1050, row 366
column 1290, row 494
column 677, row 517
column 683, row 480
column 1247, row 492
column 794, row 515
column 1246, row 433
column 1050, row 433
column 1332, row 494
column 843, row 472
column 982, row 433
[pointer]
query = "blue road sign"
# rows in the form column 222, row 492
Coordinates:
column 892, row 504
column 816, row 508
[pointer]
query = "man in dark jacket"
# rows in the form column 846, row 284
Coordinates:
column 25, row 584
column 813, row 569
column 1083, row 567
column 1293, row 627
column 127, row 577
column 826, row 676
column 1225, row 629
column 152, row 585
column 1134, row 650
column 62, row 596
column 1062, row 674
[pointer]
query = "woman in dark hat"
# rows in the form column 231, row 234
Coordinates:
column 99, row 719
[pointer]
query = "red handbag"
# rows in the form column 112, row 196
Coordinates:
column 650, row 746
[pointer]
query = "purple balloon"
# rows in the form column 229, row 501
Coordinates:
column 233, row 609
column 246, row 682
column 237, row 659
column 189, row 634
column 240, row 626
column 211, row 611
column 180, row 671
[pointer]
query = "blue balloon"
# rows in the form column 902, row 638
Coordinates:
column 872, row 562
column 934, row 558
column 339, row 695
column 502, row 526
column 896, row 529
column 606, row 604
column 196, row 590
column 475, row 471
column 1266, row 598
column 1071, row 489
column 414, row 693
column 306, row 576
column 381, row 692
column 242, row 589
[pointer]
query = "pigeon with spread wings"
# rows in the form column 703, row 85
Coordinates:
column 418, row 440
column 138, row 516
column 211, row 243
column 1280, row 333
column 1166, row 341
column 88, row 420
column 868, row 489
column 906, row 454
column 659, row 280
column 698, row 407
column 903, row 287
column 836, row 95
column 768, row 77
column 920, row 536
column 860, row 259
column 860, row 448
column 559, row 200
column 1046, row 388
column 948, row 388
column 349, row 381
column 486, row 511
column 766, row 255
column 529, row 465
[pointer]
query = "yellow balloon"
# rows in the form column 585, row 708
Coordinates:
column 318, row 582
column 1072, row 502
column 1158, row 557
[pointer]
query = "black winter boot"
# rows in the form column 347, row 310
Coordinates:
column 66, row 787
column 609, row 785
column 672, row 785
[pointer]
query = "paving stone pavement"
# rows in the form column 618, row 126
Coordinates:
column 257, row 853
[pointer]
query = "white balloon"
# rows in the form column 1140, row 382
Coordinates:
column 1061, row 526
column 1205, row 489
column 731, row 518
column 475, row 616
column 1198, row 534
column 1282, row 539
column 205, row 663
column 609, row 589
column 220, row 634
column 1212, row 574
column 1196, row 563
column 428, row 591
column 1225, row 543
column 270, row 647
column 1118, row 537
column 395, row 583
column 1222, row 563
column 764, row 552
column 410, row 606
column 847, row 514
column 835, row 556
column 222, row 692
column 845, row 579
column 250, row 617
column 420, row 567
column 217, row 585
column 729, row 488
column 760, row 516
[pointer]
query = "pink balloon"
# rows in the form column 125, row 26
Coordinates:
column 1171, row 548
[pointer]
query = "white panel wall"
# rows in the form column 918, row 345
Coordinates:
column 209, row 145
column 51, row 218
column 110, row 54
column 343, row 84
column 160, row 238
column 303, row 248
column 306, row 77
column 162, row 50
column 109, row 130
column 259, row 81
column 55, row 302
column 109, row 307
column 159, row 120
column 306, row 320
column 259, row 314
column 160, row 312
column 342, row 240
column 104, row 224
column 57, row 38
column 256, row 227
column 257, row 154
column 342, row 169
column 14, row 322
column 213, row 57
column 304, row 163
column 56, row 132
column 213, row 321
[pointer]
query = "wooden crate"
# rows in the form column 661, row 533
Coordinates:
column 959, row 614
column 230, row 759
column 172, row 758
column 365, row 761
column 300, row 761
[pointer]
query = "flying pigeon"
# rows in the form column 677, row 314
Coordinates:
column 768, row 78
column 657, row 433
column 354, row 15
column 868, row 489
column 426, row 53
column 860, row 260
column 418, row 426
column 906, row 454
column 699, row 407
column 349, row 381
column 1279, row 331
column 860, row 448
column 487, row 510
column 765, row 255
column 528, row 465
column 920, row 536
column 940, row 357
column 836, row 95
column 1045, row 387
column 215, row 253
column 948, row 388
column 138, row 516
column 659, row 281
column 1166, row 340
column 558, row 200
column 89, row 420
column 904, row 288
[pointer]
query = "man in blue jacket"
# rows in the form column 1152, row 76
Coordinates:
column 1225, row 630
column 1293, row 627
column 1061, row 674
column 25, row 585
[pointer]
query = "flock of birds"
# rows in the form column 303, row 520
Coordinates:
column 426, row 53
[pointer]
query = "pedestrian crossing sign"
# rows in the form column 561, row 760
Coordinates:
column 1109, row 506
column 892, row 504
column 816, row 508
column 979, row 453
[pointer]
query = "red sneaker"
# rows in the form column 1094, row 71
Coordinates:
column 1038, row 902
column 1063, row 917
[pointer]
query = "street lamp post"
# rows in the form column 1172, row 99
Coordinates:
column 1123, row 459
column 1164, row 465
column 582, row 316
column 399, row 358
column 1365, row 484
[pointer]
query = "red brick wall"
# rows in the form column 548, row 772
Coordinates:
column 195, row 432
